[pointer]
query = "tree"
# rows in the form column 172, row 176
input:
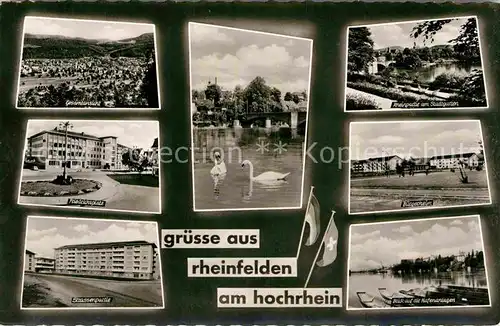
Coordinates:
column 213, row 93
column 465, row 45
column 239, row 101
column 360, row 49
column 259, row 93
column 195, row 95
column 288, row 96
column 275, row 94
column 136, row 160
column 149, row 87
column 304, row 95
column 295, row 99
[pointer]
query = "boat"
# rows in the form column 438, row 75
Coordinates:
column 389, row 296
column 415, row 293
column 369, row 301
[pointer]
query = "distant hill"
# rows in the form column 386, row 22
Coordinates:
column 58, row 47
column 396, row 47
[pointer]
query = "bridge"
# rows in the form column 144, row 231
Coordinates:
column 293, row 119
column 378, row 64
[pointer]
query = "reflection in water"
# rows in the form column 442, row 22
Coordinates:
column 429, row 73
column 370, row 283
column 276, row 157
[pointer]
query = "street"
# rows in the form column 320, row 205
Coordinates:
column 123, row 293
column 370, row 200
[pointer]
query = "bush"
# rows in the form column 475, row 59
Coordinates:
column 447, row 80
column 358, row 102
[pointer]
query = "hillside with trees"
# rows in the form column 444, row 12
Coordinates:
column 57, row 47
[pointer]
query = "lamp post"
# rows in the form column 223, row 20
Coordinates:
column 65, row 126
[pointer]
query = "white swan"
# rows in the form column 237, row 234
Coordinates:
column 269, row 176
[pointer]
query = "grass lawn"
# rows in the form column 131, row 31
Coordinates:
column 49, row 187
column 136, row 179
column 37, row 294
column 436, row 180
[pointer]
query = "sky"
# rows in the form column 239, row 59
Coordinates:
column 85, row 28
column 415, row 139
column 44, row 234
column 376, row 244
column 130, row 133
column 399, row 34
column 236, row 57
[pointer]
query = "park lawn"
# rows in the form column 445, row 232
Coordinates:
column 146, row 180
column 435, row 180
column 49, row 187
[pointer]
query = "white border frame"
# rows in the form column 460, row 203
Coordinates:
column 95, row 209
column 415, row 208
column 488, row 283
column 92, row 308
column 306, row 135
column 18, row 81
column 417, row 109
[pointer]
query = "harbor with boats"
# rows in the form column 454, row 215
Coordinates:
column 386, row 290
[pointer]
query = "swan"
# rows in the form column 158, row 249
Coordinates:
column 266, row 176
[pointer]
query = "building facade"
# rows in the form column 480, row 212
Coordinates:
column 155, row 159
column 29, row 261
column 44, row 265
column 84, row 151
column 121, row 149
column 452, row 161
column 130, row 260
column 376, row 164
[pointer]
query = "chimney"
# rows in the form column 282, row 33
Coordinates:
column 215, row 81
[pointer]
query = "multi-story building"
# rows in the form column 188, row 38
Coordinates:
column 120, row 150
column 44, row 265
column 155, row 158
column 376, row 164
column 451, row 161
column 83, row 150
column 131, row 260
column 29, row 261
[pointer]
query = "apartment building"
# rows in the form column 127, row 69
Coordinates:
column 130, row 260
column 44, row 265
column 453, row 160
column 376, row 164
column 84, row 151
column 29, row 261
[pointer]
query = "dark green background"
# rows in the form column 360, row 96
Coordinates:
column 194, row 300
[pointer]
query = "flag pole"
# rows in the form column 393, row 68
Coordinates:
column 319, row 249
column 304, row 223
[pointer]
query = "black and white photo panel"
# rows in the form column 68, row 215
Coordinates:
column 415, row 65
column 425, row 263
column 411, row 165
column 92, row 164
column 249, row 117
column 75, row 263
column 82, row 64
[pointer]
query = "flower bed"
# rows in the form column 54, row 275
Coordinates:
column 50, row 189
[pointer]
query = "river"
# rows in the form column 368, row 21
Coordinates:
column 261, row 147
column 393, row 283
column 429, row 73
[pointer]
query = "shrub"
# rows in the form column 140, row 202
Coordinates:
column 358, row 102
